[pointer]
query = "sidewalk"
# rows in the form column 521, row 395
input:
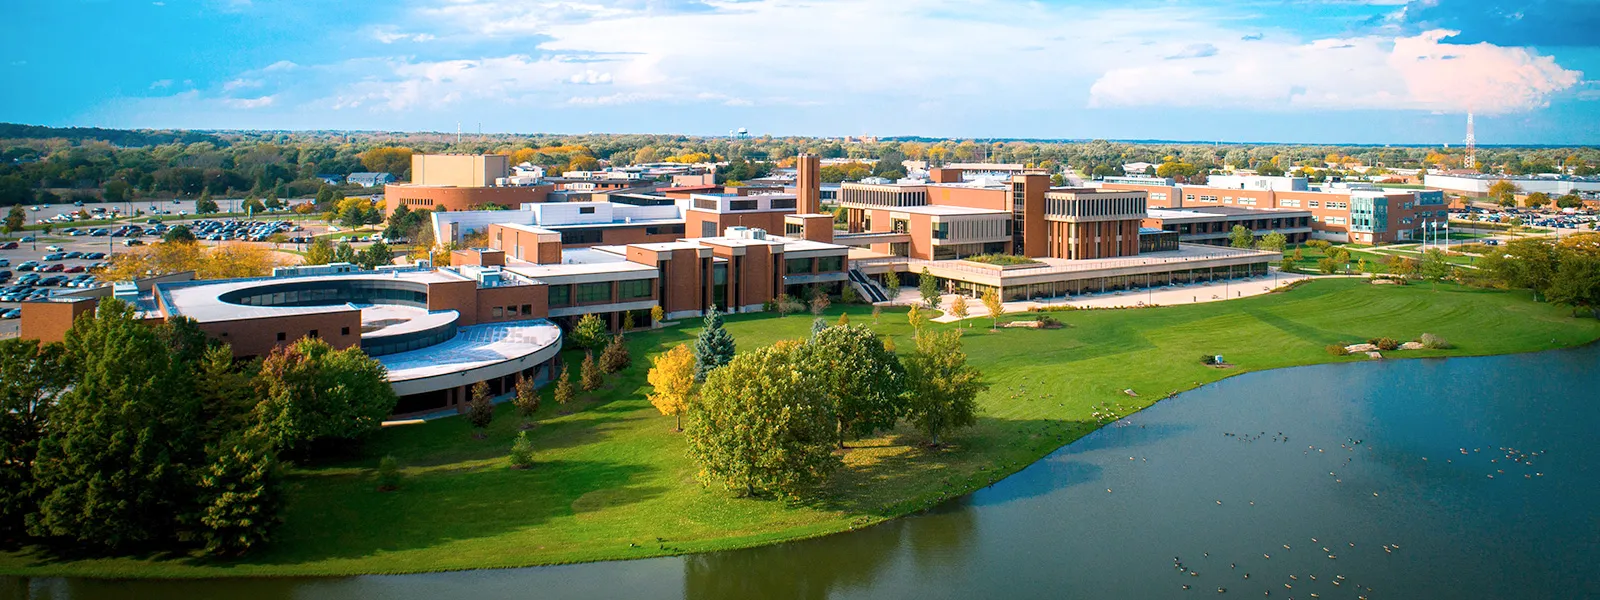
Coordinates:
column 1161, row 296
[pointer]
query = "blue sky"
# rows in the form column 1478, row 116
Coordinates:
column 1373, row 71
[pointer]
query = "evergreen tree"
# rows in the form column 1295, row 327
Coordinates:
column 615, row 357
column 713, row 348
column 589, row 333
column 589, row 375
column 818, row 326
column 522, row 451
column 481, row 412
column 345, row 253
column 115, row 466
column 563, row 392
column 526, row 400
column 241, row 494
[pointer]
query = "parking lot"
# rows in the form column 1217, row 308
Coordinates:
column 34, row 265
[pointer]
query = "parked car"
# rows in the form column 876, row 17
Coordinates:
column 28, row 265
column 73, row 269
column 5, row 262
column 53, row 248
column 55, row 256
column 132, row 242
column 15, row 313
column 55, row 268
column 73, row 254
column 8, row 246
column 5, row 276
column 27, row 239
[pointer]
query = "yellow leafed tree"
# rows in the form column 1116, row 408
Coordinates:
column 227, row 261
column 672, row 376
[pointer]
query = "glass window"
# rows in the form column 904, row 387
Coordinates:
column 741, row 205
column 797, row 265
column 560, row 295
column 497, row 312
column 827, row 264
column 588, row 293
column 634, row 289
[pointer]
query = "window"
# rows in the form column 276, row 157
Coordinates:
column 344, row 331
column 634, row 289
column 741, row 205
column 795, row 266
column 793, row 229
column 1314, row 204
column 708, row 229
column 585, row 210
column 312, row 334
column 588, row 293
column 527, row 310
column 830, row 263
column 783, row 203
column 560, row 295
column 281, row 336
column 497, row 312
column 581, row 236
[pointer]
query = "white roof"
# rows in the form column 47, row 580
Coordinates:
column 473, row 347
column 201, row 300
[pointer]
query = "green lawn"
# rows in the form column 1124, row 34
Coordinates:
column 612, row 480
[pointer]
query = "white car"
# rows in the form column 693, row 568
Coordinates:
column 53, row 248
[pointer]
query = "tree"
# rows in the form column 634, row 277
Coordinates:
column 1240, row 237
column 15, row 220
column 205, row 205
column 589, row 375
column 481, row 411
column 589, row 333
column 671, row 380
column 1505, row 192
column 1537, row 199
column 345, row 253
column 32, row 377
column 1288, row 265
column 1568, row 200
column 526, row 400
column 241, row 491
column 958, row 307
column 563, row 392
column 1577, row 279
column 1328, row 265
column 1528, row 263
column 929, row 288
column 943, row 388
column 817, row 325
column 252, row 206
column 891, row 283
column 819, row 303
column 1362, row 266
column 992, row 301
column 615, row 357
column 844, row 319
column 847, row 294
column 521, row 451
column 713, row 348
column 389, row 474
column 1434, row 266
column 320, row 252
column 915, row 318
column 179, row 234
column 114, row 468
column 312, row 393
column 758, row 426
column 860, row 380
column 627, row 322
column 374, row 256
column 395, row 161
column 1274, row 242
column 657, row 315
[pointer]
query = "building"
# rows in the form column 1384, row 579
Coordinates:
column 368, row 180
column 457, row 182
column 1360, row 213
column 1477, row 185
column 1214, row 225
column 331, row 178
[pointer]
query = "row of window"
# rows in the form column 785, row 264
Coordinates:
column 598, row 292
column 417, row 201
column 824, row 264
column 502, row 312
column 963, row 230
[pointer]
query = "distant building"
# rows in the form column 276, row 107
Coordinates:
column 331, row 178
column 1477, row 185
column 368, row 180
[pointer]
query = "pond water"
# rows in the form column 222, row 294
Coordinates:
column 1459, row 478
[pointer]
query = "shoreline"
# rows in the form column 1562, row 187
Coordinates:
column 996, row 466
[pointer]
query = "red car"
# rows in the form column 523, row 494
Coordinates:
column 8, row 246
column 74, row 269
column 55, row 268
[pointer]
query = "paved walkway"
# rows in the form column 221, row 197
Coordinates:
column 1165, row 296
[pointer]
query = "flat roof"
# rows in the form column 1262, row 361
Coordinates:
column 941, row 210
column 577, row 262
column 201, row 299
column 472, row 347
column 1219, row 211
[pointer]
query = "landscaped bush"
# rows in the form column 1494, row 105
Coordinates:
column 1000, row 259
column 1384, row 343
column 388, row 474
column 1337, row 349
column 1208, row 359
column 1049, row 322
column 521, row 451
column 1434, row 342
column 1054, row 308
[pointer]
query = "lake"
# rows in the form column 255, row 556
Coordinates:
column 1457, row 478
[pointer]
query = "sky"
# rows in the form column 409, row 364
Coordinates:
column 1314, row 71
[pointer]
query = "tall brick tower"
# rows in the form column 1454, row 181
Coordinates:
column 808, row 184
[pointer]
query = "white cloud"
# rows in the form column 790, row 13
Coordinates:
column 590, row 77
column 241, row 83
column 248, row 103
column 160, row 84
column 390, row 36
column 1422, row 72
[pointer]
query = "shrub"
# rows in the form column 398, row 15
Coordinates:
column 589, row 376
column 1336, row 349
column 1048, row 322
column 1384, row 343
column 521, row 451
column 1434, row 342
column 388, row 474
column 1001, row 259
column 615, row 357
column 589, row 333
column 1208, row 359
